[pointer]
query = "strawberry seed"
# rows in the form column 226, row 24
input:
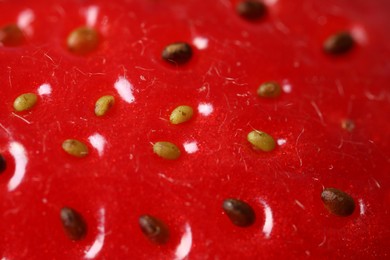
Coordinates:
column 11, row 36
column 177, row 53
column 75, row 148
column 239, row 212
column 251, row 9
column 261, row 140
column 181, row 114
column 73, row 223
column 339, row 43
column 269, row 90
column 103, row 104
column 166, row 150
column 348, row 125
column 25, row 102
column 3, row 164
column 338, row 202
column 83, row 40
column 154, row 229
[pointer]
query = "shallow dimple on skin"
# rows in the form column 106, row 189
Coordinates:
column 338, row 202
column 75, row 148
column 181, row 114
column 261, row 140
column 166, row 150
column 25, row 102
column 83, row 40
column 103, row 105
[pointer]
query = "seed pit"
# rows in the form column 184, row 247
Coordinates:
column 74, row 224
column 166, row 150
column 3, row 164
column 251, row 9
column 339, row 43
column 11, row 36
column 83, row 40
column 239, row 212
column 103, row 105
column 261, row 141
column 269, row 89
column 181, row 114
column 25, row 102
column 75, row 148
column 154, row 229
column 338, row 202
column 177, row 53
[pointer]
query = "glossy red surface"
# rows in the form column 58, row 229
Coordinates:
column 231, row 58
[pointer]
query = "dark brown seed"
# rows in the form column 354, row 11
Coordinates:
column 338, row 202
column 3, row 164
column 73, row 223
column 339, row 43
column 269, row 90
column 11, row 36
column 348, row 125
column 177, row 53
column 83, row 40
column 251, row 9
column 239, row 212
column 154, row 229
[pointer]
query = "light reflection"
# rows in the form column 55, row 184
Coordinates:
column 269, row 220
column 97, row 246
column 184, row 247
column 362, row 207
column 281, row 141
column 205, row 109
column 17, row 151
column 191, row 147
column 44, row 89
column 98, row 142
column 125, row 89
column 25, row 19
column 91, row 15
column 201, row 43
column 287, row 88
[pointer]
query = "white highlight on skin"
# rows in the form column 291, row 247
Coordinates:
column 269, row 220
column 359, row 34
column 18, row 151
column 97, row 246
column 98, row 142
column 125, row 89
column 25, row 19
column 184, row 247
column 44, row 89
column 286, row 86
column 190, row 147
column 270, row 2
column 91, row 15
column 362, row 207
column 201, row 43
column 205, row 109
column 281, row 141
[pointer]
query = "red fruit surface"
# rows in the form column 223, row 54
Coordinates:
column 112, row 187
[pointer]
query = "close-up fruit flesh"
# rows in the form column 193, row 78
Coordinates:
column 143, row 130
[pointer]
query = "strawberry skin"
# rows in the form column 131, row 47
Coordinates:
column 120, row 178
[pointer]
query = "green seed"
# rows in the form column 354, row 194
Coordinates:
column 181, row 114
column 269, row 90
column 338, row 202
column 11, row 36
column 261, row 140
column 25, row 102
column 154, row 229
column 75, row 148
column 103, row 104
column 83, row 40
column 166, row 150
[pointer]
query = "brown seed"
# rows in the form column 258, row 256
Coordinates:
column 239, row 212
column 166, row 150
column 339, row 43
column 11, row 36
column 181, row 114
column 75, row 148
column 83, row 40
column 103, row 104
column 154, row 229
column 3, row 164
column 261, row 140
column 348, row 125
column 338, row 202
column 269, row 90
column 25, row 102
column 251, row 9
column 73, row 223
column 177, row 53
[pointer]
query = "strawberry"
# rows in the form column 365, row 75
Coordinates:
column 194, row 129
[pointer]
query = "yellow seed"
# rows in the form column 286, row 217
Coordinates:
column 166, row 150
column 261, row 141
column 103, row 104
column 25, row 102
column 83, row 40
column 75, row 148
column 269, row 90
column 181, row 114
